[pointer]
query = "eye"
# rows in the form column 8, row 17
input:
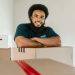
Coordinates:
column 35, row 15
column 42, row 17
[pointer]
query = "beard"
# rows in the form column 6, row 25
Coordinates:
column 39, row 27
column 38, row 24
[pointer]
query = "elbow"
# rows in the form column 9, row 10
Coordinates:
column 55, row 43
column 58, row 44
column 19, row 40
column 20, row 44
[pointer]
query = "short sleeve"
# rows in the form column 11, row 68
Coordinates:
column 21, row 30
column 50, row 32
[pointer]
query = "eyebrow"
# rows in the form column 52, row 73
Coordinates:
column 37, row 15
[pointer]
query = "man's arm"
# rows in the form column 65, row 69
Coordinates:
column 25, row 42
column 50, row 41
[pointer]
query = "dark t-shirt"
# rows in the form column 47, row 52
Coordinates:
column 27, row 31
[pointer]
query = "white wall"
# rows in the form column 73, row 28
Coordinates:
column 61, row 17
column 6, row 19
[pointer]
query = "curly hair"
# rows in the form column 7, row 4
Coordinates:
column 38, row 7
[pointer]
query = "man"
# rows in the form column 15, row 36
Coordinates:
column 35, row 34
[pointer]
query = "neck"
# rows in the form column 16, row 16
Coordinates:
column 36, row 29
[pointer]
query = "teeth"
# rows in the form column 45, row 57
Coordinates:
column 38, row 23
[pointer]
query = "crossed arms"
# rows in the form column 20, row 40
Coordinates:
column 37, row 42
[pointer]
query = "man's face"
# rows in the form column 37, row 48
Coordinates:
column 38, row 18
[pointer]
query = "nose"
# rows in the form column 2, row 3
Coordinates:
column 39, row 19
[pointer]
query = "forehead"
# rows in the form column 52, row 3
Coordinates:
column 39, row 12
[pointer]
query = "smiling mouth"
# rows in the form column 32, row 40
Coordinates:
column 38, row 23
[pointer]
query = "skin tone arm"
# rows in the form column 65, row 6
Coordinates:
column 27, row 43
column 49, row 42
column 37, row 18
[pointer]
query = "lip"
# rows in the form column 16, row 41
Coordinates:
column 38, row 23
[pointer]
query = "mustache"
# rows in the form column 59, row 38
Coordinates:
column 38, row 22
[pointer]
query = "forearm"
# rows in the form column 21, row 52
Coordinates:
column 50, row 42
column 27, row 43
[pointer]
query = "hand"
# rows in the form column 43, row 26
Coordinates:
column 34, row 39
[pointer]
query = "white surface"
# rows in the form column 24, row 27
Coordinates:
column 61, row 54
column 28, row 54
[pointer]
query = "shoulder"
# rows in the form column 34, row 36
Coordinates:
column 51, row 32
column 23, row 25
